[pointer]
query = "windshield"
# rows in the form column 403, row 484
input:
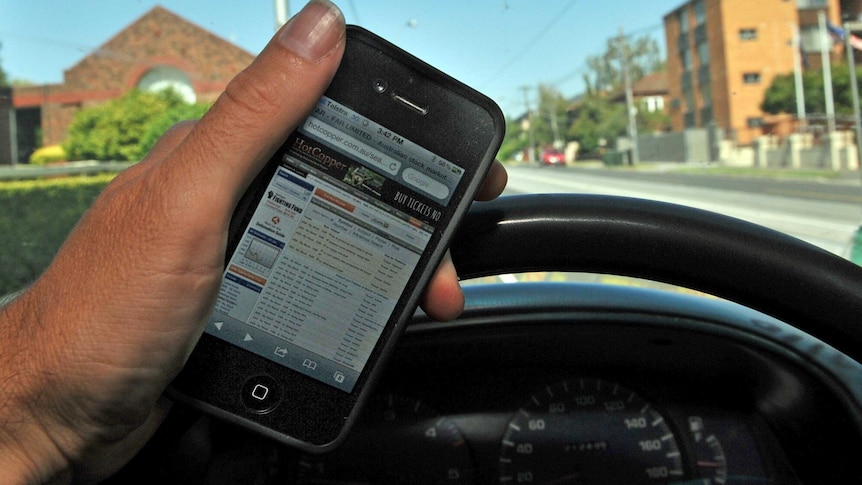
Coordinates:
column 738, row 107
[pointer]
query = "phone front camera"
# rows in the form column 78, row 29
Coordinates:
column 380, row 85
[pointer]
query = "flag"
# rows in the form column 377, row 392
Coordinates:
column 839, row 33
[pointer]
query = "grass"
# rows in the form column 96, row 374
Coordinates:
column 36, row 218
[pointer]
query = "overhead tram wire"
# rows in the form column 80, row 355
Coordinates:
column 354, row 12
column 544, row 30
column 582, row 68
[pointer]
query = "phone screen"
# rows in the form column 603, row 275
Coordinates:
column 332, row 244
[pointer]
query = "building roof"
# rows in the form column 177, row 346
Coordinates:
column 157, row 16
column 654, row 84
column 157, row 38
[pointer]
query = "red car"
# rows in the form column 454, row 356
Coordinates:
column 553, row 157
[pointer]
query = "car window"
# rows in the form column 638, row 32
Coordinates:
column 737, row 107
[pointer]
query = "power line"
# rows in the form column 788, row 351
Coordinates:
column 354, row 12
column 534, row 41
column 48, row 41
column 651, row 28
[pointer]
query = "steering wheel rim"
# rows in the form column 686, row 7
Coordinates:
column 769, row 271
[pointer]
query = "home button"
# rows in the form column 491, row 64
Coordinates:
column 261, row 394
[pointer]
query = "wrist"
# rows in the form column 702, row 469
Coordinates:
column 28, row 454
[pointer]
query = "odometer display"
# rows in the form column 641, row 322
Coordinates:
column 588, row 431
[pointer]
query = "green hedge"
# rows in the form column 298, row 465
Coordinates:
column 35, row 218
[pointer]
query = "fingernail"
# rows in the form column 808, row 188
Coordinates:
column 314, row 31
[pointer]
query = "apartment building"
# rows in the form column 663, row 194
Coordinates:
column 722, row 55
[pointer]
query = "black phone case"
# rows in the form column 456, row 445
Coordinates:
column 460, row 125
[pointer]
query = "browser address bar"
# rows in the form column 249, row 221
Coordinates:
column 323, row 131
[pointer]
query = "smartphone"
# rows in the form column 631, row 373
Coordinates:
column 333, row 244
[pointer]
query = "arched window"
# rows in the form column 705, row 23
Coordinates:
column 167, row 77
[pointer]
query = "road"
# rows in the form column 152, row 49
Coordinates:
column 824, row 213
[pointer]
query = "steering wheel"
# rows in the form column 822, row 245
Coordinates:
column 818, row 293
column 776, row 274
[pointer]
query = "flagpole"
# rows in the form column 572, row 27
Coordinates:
column 827, row 71
column 851, row 62
column 282, row 12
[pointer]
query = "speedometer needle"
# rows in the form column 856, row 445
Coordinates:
column 713, row 464
column 563, row 479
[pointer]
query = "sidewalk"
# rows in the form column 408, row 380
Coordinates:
column 844, row 177
column 26, row 171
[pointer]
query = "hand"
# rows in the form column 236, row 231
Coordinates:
column 89, row 348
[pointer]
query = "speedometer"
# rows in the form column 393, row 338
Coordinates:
column 588, row 431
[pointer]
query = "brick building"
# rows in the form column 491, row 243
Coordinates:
column 158, row 50
column 724, row 54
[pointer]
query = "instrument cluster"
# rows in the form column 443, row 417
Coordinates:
column 575, row 429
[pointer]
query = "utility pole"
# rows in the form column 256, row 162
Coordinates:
column 555, row 127
column 849, row 27
column 630, row 108
column 282, row 12
column 531, row 153
column 827, row 71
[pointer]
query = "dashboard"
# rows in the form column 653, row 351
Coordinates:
column 571, row 383
column 585, row 384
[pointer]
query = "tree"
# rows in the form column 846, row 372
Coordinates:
column 4, row 79
column 548, row 122
column 652, row 121
column 125, row 128
column 160, row 124
column 549, row 119
column 642, row 54
column 515, row 140
column 780, row 97
column 597, row 119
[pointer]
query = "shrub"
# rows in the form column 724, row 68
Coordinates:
column 116, row 130
column 169, row 118
column 37, row 216
column 48, row 154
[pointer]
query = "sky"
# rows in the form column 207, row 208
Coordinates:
column 496, row 46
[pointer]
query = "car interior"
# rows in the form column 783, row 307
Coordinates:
column 584, row 383
column 730, row 352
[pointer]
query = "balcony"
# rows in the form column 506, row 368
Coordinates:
column 682, row 41
column 700, row 34
column 811, row 4
column 686, row 81
column 703, row 75
column 688, row 120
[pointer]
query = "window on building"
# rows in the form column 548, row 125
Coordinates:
column 806, row 4
column 699, row 12
column 706, row 94
column 747, row 34
column 751, row 77
column 703, row 53
column 688, row 120
column 653, row 103
column 810, row 38
column 161, row 78
column 686, row 59
column 682, row 17
column 754, row 122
